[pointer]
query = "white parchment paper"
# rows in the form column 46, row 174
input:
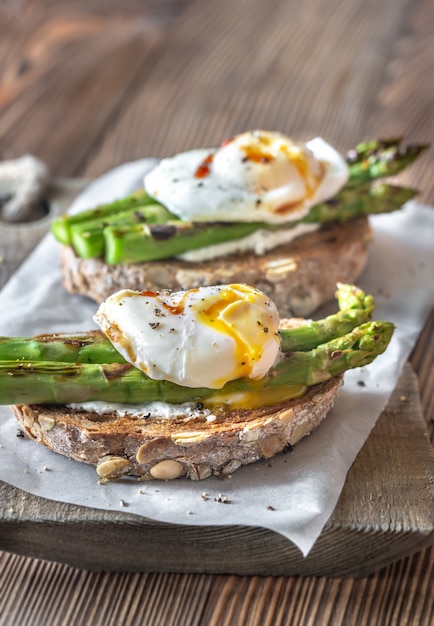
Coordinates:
column 293, row 494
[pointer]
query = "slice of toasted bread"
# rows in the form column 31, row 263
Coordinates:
column 165, row 448
column 299, row 277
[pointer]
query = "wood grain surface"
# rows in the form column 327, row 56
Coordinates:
column 85, row 87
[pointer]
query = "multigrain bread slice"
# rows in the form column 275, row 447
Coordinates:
column 167, row 448
column 299, row 277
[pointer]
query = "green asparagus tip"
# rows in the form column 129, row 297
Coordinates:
column 374, row 145
column 352, row 297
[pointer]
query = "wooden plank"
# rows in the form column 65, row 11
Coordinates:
column 68, row 69
column 384, row 513
column 40, row 592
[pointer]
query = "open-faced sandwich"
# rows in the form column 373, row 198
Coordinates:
column 287, row 217
column 190, row 383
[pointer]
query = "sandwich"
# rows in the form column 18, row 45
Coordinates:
column 262, row 209
column 186, row 384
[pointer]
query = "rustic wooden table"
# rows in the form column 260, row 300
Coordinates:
column 85, row 87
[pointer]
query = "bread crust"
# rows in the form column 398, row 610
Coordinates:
column 299, row 277
column 195, row 447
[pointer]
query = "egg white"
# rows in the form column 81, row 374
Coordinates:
column 234, row 186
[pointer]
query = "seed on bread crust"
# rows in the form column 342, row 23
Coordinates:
column 46, row 422
column 168, row 469
column 111, row 467
column 278, row 269
column 271, row 446
column 189, row 438
column 199, row 471
column 151, row 450
column 298, row 433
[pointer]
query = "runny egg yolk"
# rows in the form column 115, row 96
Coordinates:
column 271, row 160
column 199, row 338
column 247, row 323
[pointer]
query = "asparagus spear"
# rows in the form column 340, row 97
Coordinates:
column 377, row 159
column 161, row 241
column 87, row 237
column 62, row 225
column 379, row 198
column 91, row 347
column 42, row 382
column 152, row 242
column 355, row 308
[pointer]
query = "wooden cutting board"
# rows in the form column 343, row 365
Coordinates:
column 385, row 512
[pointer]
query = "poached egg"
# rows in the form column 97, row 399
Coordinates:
column 255, row 176
column 203, row 337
